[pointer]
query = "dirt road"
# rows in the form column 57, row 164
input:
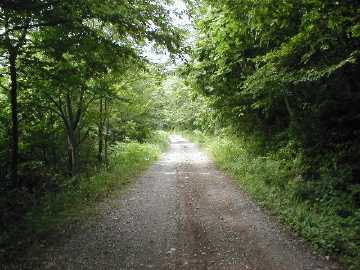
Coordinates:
column 182, row 214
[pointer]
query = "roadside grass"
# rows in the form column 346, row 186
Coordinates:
column 324, row 216
column 77, row 196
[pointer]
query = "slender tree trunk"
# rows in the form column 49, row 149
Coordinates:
column 14, row 119
column 52, row 137
column 101, row 131
column 294, row 124
column 72, row 152
column 106, row 131
column 14, row 51
column 289, row 109
column 292, row 119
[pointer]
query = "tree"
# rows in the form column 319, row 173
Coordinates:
column 70, row 31
column 283, row 69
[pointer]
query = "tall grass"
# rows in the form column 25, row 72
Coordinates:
column 326, row 217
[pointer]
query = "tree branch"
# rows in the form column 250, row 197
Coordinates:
column 69, row 109
column 35, row 25
column 25, row 5
column 79, row 110
column 60, row 111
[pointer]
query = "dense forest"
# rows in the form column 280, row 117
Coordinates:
column 270, row 87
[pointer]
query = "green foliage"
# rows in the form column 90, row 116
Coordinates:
column 161, row 139
column 288, row 67
column 136, row 116
column 71, row 61
column 181, row 109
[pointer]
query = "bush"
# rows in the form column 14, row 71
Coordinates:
column 161, row 139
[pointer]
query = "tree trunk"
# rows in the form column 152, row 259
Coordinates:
column 53, row 154
column 14, row 119
column 289, row 109
column 292, row 117
column 101, row 131
column 106, row 131
column 72, row 152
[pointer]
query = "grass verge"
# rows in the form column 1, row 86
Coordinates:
column 325, row 217
column 77, row 196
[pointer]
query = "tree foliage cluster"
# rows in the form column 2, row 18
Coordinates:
column 180, row 108
column 287, row 72
column 73, row 82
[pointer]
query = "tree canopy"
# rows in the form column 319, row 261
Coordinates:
column 287, row 69
column 62, row 57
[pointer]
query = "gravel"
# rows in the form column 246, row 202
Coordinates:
column 181, row 214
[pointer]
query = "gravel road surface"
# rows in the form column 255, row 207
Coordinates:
column 182, row 213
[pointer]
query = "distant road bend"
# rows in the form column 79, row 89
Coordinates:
column 182, row 213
